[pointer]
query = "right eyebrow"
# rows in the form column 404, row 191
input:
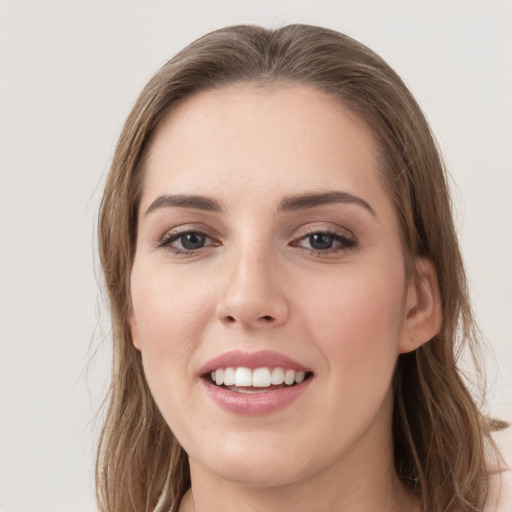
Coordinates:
column 185, row 201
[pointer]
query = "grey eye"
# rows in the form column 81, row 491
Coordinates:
column 193, row 240
column 321, row 241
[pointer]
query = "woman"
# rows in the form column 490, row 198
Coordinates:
column 286, row 290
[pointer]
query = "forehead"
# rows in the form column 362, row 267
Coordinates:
column 273, row 140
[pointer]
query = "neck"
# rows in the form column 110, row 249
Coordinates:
column 385, row 494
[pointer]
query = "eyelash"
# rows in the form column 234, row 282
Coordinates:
column 345, row 243
column 173, row 236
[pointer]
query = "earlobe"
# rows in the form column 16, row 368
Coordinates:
column 134, row 330
column 423, row 309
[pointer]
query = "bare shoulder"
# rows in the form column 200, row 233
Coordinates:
column 500, row 483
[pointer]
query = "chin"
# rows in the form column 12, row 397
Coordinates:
column 262, row 461
column 264, row 474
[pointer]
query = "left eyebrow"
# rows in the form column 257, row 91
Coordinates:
column 311, row 200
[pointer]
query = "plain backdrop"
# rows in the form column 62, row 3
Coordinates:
column 69, row 73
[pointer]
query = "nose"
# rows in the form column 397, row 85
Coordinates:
column 253, row 292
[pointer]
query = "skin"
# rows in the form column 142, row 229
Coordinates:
column 257, row 284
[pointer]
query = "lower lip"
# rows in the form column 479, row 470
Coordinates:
column 256, row 404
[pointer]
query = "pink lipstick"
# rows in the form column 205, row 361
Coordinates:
column 255, row 383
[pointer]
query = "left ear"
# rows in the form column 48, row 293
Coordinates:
column 423, row 310
column 134, row 330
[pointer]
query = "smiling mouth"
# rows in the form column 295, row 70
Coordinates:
column 258, row 380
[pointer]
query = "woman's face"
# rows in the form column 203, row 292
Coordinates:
column 268, row 246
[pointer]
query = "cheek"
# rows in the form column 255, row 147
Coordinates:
column 357, row 319
column 168, row 310
column 170, row 313
column 357, row 334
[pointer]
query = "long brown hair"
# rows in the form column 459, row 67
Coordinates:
column 439, row 433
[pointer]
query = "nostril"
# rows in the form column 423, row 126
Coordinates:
column 230, row 319
column 267, row 318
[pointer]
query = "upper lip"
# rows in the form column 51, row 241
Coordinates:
column 252, row 360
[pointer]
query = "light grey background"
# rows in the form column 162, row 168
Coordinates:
column 69, row 72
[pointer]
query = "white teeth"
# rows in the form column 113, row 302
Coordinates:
column 299, row 377
column 243, row 377
column 219, row 377
column 277, row 376
column 258, row 378
column 261, row 378
column 229, row 376
column 289, row 377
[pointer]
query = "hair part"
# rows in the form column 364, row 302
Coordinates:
column 439, row 434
